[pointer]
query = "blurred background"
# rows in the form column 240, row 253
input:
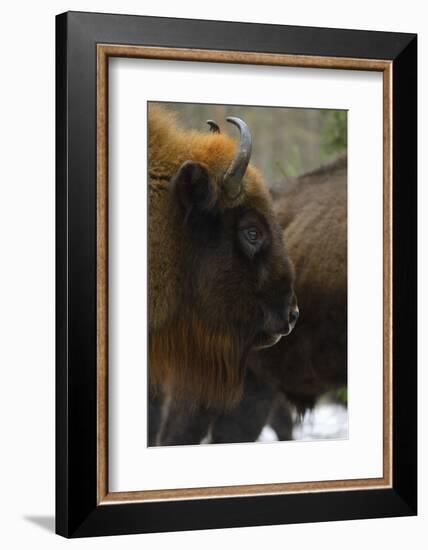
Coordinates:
column 286, row 141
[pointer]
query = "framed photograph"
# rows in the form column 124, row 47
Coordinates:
column 236, row 274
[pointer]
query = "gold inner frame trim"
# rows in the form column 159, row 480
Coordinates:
column 104, row 51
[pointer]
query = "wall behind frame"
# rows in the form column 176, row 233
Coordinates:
column 27, row 274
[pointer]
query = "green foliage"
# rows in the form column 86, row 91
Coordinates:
column 282, row 169
column 342, row 395
column 294, row 164
column 334, row 133
column 336, row 396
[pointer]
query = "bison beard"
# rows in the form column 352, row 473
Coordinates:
column 199, row 362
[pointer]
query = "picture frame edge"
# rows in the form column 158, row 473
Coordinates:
column 77, row 518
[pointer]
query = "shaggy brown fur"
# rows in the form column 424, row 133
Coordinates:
column 206, row 299
column 313, row 212
column 313, row 359
column 188, row 353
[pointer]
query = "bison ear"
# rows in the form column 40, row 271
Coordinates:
column 194, row 187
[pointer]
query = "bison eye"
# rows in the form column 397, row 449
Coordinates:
column 252, row 234
column 251, row 239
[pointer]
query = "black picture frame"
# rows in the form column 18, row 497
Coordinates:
column 77, row 511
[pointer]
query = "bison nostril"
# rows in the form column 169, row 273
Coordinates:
column 293, row 315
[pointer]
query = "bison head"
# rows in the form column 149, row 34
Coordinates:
column 230, row 284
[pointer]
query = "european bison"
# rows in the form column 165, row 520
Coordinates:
column 220, row 280
column 312, row 211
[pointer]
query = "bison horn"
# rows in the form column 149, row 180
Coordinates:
column 235, row 172
column 214, row 127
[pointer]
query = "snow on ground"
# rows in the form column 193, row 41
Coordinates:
column 267, row 435
column 326, row 421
